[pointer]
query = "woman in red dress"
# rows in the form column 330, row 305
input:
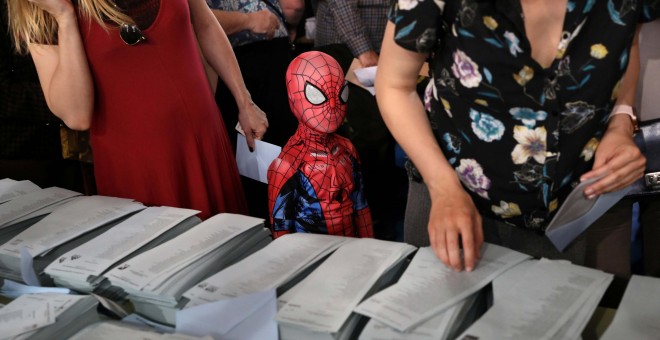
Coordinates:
column 132, row 71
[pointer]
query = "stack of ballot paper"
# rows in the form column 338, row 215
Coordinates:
column 113, row 330
column 23, row 208
column 69, row 226
column 639, row 311
column 444, row 325
column 321, row 306
column 541, row 299
column 429, row 288
column 279, row 265
column 82, row 268
column 156, row 279
column 46, row 316
column 10, row 189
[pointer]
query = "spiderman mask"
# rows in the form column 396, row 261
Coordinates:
column 317, row 91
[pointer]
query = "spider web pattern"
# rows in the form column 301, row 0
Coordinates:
column 315, row 185
column 323, row 72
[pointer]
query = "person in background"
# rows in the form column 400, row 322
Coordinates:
column 358, row 25
column 527, row 98
column 131, row 71
column 29, row 133
column 348, row 29
column 261, row 33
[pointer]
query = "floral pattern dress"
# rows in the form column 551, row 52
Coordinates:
column 517, row 134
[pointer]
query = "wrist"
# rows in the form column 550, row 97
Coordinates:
column 66, row 17
column 623, row 110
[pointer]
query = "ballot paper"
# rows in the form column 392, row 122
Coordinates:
column 11, row 289
column 367, row 77
column 638, row 313
column 269, row 268
column 246, row 317
column 322, row 304
column 113, row 330
column 541, row 302
column 578, row 212
column 10, row 189
column 156, row 279
column 443, row 325
column 254, row 164
column 80, row 267
column 428, row 287
column 30, row 202
column 73, row 222
column 46, row 316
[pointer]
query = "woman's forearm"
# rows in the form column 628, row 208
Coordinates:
column 218, row 51
column 65, row 76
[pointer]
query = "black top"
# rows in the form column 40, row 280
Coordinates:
column 519, row 135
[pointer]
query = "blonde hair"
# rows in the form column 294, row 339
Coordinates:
column 30, row 24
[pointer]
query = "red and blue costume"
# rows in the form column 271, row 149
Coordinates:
column 315, row 185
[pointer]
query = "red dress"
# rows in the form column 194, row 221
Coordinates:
column 157, row 134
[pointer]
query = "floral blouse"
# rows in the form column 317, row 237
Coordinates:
column 519, row 135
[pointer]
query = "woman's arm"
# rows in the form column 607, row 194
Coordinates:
column 453, row 213
column 618, row 160
column 63, row 69
column 219, row 54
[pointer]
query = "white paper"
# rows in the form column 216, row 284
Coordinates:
column 578, row 212
column 24, row 315
column 540, row 304
column 30, row 202
column 267, row 268
column 170, row 256
column 138, row 320
column 638, row 315
column 255, row 164
column 428, row 287
column 367, row 77
column 10, row 189
column 12, row 290
column 33, row 311
column 27, row 268
column 110, row 330
column 68, row 222
column 246, row 317
column 99, row 254
column 434, row 328
column 326, row 298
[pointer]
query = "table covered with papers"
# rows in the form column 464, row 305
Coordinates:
column 64, row 256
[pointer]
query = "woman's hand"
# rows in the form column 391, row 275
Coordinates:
column 59, row 9
column 618, row 160
column 454, row 220
column 253, row 122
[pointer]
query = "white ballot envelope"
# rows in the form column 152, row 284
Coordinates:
column 246, row 317
column 578, row 212
column 255, row 164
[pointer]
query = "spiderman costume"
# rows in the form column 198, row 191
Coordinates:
column 315, row 185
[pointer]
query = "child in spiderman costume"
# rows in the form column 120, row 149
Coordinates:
column 315, row 185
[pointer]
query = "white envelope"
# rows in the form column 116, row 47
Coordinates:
column 255, row 164
column 578, row 212
column 246, row 317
